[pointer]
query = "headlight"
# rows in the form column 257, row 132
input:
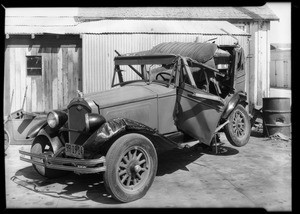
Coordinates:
column 222, row 66
column 56, row 118
column 93, row 121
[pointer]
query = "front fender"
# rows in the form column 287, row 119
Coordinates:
column 118, row 126
column 237, row 98
column 55, row 141
column 32, row 133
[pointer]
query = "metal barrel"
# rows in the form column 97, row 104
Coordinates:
column 277, row 116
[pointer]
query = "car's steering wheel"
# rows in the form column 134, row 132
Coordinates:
column 161, row 74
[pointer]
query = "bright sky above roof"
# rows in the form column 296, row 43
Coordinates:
column 280, row 32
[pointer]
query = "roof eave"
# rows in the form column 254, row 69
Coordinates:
column 87, row 19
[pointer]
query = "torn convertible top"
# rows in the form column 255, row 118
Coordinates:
column 201, row 52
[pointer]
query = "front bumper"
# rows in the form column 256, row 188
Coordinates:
column 67, row 164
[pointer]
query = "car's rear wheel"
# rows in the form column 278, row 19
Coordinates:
column 41, row 145
column 131, row 165
column 238, row 129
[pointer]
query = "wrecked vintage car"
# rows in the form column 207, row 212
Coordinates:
column 172, row 90
column 18, row 123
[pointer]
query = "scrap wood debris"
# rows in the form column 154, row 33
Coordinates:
column 279, row 136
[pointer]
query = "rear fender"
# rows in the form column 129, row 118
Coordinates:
column 114, row 128
column 238, row 98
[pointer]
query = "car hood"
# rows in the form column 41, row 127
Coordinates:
column 122, row 95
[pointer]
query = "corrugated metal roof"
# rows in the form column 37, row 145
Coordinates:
column 25, row 30
column 196, row 13
column 67, row 20
column 40, row 21
column 40, row 25
column 160, row 26
column 67, row 25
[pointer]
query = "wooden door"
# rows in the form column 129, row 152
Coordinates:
column 60, row 80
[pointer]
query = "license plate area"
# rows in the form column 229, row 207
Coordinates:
column 74, row 150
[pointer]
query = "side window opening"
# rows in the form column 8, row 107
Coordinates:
column 200, row 77
column 185, row 77
column 163, row 72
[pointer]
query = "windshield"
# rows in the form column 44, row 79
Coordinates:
column 150, row 72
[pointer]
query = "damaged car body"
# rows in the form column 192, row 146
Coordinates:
column 174, row 89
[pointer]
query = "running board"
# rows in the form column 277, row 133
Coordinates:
column 181, row 140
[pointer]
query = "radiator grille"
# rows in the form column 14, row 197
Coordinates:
column 77, row 110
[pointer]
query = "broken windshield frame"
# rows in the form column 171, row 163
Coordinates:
column 151, row 60
column 143, row 72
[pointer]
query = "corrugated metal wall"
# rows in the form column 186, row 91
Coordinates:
column 98, row 52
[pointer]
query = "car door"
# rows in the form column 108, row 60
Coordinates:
column 197, row 111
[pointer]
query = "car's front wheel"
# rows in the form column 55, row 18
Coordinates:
column 41, row 145
column 238, row 129
column 131, row 165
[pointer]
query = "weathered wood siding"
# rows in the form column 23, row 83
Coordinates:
column 259, row 70
column 280, row 69
column 61, row 72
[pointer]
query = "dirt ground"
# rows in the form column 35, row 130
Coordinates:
column 257, row 175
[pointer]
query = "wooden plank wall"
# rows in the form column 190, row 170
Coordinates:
column 61, row 72
column 259, row 78
column 280, row 69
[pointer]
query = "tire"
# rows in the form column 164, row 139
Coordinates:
column 42, row 145
column 6, row 140
column 238, row 134
column 131, row 165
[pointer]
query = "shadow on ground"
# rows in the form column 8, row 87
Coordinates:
column 69, row 186
column 173, row 160
column 72, row 185
column 257, row 133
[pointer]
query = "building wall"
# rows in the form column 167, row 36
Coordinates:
column 61, row 72
column 98, row 52
column 281, row 92
column 259, row 61
column 280, row 69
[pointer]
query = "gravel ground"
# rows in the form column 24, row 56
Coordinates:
column 257, row 175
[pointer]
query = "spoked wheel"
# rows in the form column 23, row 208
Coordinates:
column 41, row 145
column 131, row 165
column 133, row 169
column 238, row 129
column 6, row 140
